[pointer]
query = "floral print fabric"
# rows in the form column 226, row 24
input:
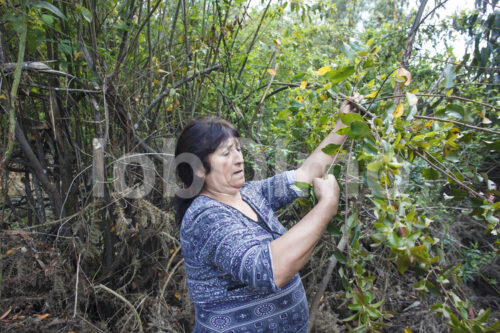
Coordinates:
column 229, row 266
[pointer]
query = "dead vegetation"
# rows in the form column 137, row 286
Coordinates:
column 59, row 289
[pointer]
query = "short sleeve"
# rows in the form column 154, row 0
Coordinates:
column 234, row 248
column 279, row 190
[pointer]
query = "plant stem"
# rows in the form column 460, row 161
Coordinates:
column 468, row 188
column 13, row 94
column 459, row 123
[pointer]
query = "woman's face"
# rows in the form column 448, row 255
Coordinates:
column 226, row 168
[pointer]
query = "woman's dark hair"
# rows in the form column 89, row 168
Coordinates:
column 201, row 138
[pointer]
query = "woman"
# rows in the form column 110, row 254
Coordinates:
column 242, row 264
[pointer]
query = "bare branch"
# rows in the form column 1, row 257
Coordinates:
column 462, row 184
column 458, row 123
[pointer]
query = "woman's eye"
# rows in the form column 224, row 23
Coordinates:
column 226, row 153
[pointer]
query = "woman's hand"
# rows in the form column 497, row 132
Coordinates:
column 328, row 192
column 347, row 106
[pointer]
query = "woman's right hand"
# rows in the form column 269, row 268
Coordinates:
column 327, row 192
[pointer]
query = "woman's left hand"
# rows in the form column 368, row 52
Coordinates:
column 347, row 106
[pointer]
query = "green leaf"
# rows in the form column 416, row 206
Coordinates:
column 333, row 229
column 483, row 316
column 455, row 111
column 374, row 184
column 349, row 118
column 303, row 186
column 494, row 146
column 340, row 74
column 374, row 166
column 359, row 129
column 369, row 146
column 323, row 120
column 458, row 193
column 284, row 114
column 378, row 304
column 87, row 15
column 344, row 131
column 403, row 264
column 48, row 19
column 430, row 174
column 395, row 241
column 50, row 7
column 449, row 76
column 340, row 256
column 372, row 312
column 348, row 51
column 330, row 149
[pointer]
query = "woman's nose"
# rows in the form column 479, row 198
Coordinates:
column 239, row 157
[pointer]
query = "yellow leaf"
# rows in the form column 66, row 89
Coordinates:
column 9, row 252
column 323, row 96
column 77, row 55
column 372, row 95
column 159, row 70
column 449, row 92
column 399, row 111
column 429, row 123
column 177, row 295
column 323, row 70
column 2, row 96
column 303, row 85
column 271, row 71
column 43, row 316
column 299, row 99
column 172, row 250
column 276, row 44
column 403, row 75
column 407, row 330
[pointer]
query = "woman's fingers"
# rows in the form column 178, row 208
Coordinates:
column 348, row 106
column 326, row 189
column 357, row 98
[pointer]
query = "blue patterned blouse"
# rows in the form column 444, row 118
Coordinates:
column 229, row 266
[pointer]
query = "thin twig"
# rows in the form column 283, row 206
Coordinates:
column 332, row 261
column 252, row 43
column 444, row 96
column 76, row 283
column 13, row 93
column 458, row 123
column 177, row 84
column 123, row 299
column 468, row 188
column 257, row 109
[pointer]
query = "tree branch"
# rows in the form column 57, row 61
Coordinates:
column 459, row 123
column 444, row 96
column 259, row 106
column 177, row 84
column 13, row 94
column 465, row 186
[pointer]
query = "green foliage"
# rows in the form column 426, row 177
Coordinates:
column 139, row 72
